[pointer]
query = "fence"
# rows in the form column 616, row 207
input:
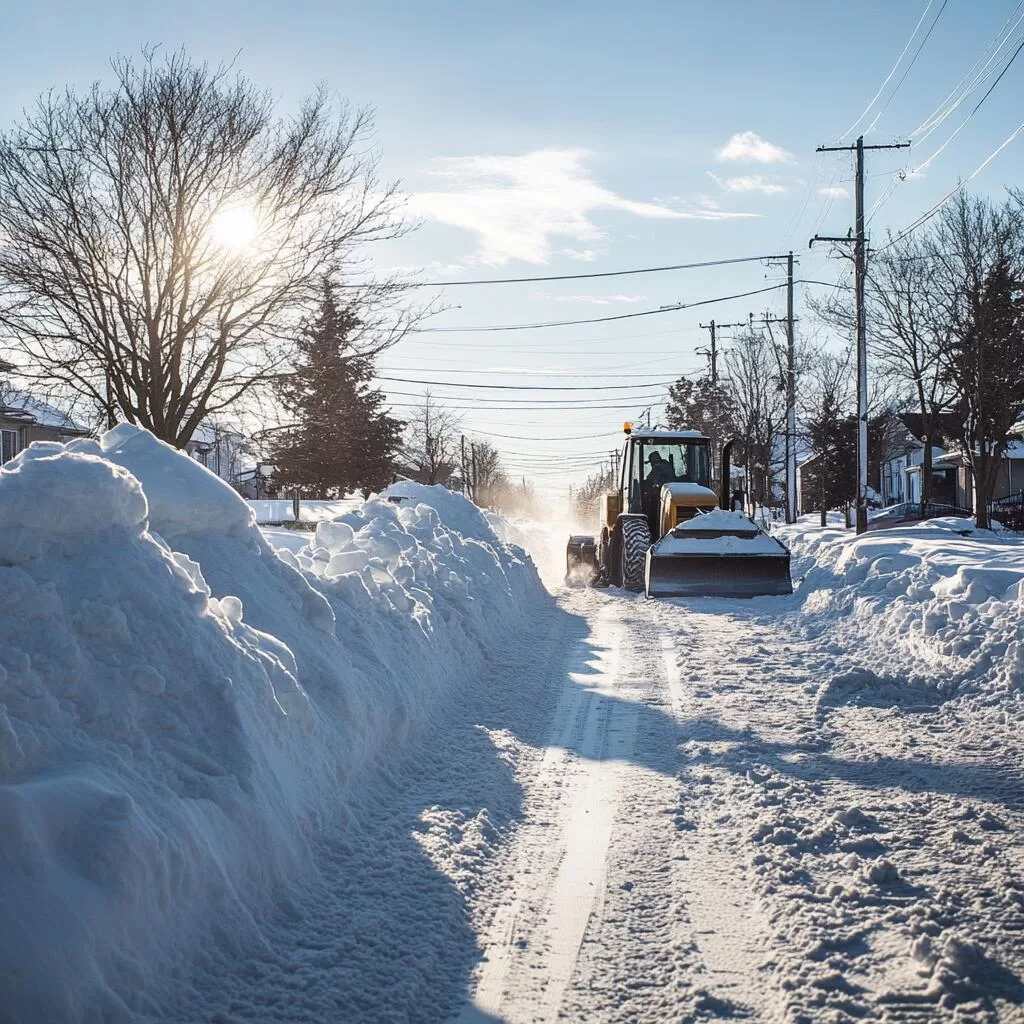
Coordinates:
column 1009, row 511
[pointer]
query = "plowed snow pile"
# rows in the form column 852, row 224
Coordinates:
column 937, row 605
column 180, row 708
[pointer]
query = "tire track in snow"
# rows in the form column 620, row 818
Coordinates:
column 533, row 943
column 731, row 931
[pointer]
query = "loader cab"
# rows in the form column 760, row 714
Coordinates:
column 651, row 460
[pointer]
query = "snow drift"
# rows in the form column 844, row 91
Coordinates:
column 181, row 708
column 937, row 605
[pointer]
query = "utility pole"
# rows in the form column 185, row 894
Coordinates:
column 789, row 376
column 790, row 321
column 712, row 355
column 860, row 272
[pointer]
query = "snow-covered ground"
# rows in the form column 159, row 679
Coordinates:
column 383, row 775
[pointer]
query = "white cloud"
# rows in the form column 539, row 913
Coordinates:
column 517, row 205
column 583, row 255
column 748, row 183
column 602, row 300
column 834, row 192
column 750, row 147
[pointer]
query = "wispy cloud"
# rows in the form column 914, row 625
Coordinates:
column 748, row 183
column 518, row 205
column 834, row 192
column 583, row 255
column 602, row 300
column 751, row 148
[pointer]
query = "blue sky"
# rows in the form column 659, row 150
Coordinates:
column 567, row 137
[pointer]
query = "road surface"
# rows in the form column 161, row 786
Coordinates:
column 713, row 827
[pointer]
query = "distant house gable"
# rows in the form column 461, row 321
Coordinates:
column 24, row 419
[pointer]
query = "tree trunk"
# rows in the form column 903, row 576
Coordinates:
column 926, row 474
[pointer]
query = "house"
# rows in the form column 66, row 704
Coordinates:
column 220, row 448
column 1010, row 479
column 903, row 460
column 24, row 419
column 257, row 482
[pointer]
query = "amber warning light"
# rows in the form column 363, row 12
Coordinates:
column 627, row 427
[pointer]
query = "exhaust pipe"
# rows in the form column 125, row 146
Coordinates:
column 726, row 499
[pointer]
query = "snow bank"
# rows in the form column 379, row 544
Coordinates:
column 181, row 708
column 938, row 604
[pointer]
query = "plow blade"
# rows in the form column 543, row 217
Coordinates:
column 721, row 554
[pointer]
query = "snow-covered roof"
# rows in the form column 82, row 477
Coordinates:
column 42, row 413
column 666, row 435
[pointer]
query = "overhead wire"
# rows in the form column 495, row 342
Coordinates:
column 929, row 213
column 673, row 308
column 888, row 78
column 530, row 387
column 913, row 61
column 959, row 94
column 582, row 277
column 568, row 403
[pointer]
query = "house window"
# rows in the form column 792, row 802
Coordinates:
column 8, row 445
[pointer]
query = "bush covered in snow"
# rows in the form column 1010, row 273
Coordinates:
column 180, row 706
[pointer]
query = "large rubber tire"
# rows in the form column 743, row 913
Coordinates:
column 636, row 539
column 611, row 558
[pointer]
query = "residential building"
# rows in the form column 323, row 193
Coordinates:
column 24, row 419
column 903, row 461
column 220, row 448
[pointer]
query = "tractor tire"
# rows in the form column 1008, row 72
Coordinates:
column 612, row 548
column 636, row 539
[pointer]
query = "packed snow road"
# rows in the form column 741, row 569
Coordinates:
column 711, row 828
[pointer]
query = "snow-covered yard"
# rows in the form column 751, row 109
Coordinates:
column 378, row 773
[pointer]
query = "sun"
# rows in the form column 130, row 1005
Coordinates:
column 234, row 228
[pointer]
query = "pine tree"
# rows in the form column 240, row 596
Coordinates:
column 342, row 439
column 704, row 406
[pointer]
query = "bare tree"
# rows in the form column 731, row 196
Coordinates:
column 908, row 336
column 830, row 431
column 162, row 239
column 483, row 476
column 755, row 383
column 432, row 441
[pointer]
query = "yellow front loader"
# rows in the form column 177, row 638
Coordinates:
column 662, row 530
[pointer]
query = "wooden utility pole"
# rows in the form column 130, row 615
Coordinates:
column 860, row 270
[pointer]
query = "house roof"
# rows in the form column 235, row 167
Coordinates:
column 40, row 413
column 949, row 425
column 1014, row 451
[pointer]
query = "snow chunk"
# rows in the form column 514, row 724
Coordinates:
column 185, row 498
column 62, row 502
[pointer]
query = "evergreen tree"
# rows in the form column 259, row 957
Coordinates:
column 342, row 439
column 704, row 406
column 987, row 363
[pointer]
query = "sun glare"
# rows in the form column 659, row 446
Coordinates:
column 234, row 228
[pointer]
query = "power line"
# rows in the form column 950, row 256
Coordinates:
column 600, row 319
column 928, row 214
column 908, row 68
column 977, row 106
column 518, row 373
column 520, row 408
column 531, row 387
column 568, row 403
column 946, row 108
column 520, row 437
column 888, row 77
column 580, row 277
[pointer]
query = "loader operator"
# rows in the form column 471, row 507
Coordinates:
column 659, row 473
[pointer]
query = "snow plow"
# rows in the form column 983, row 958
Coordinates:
column 662, row 531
